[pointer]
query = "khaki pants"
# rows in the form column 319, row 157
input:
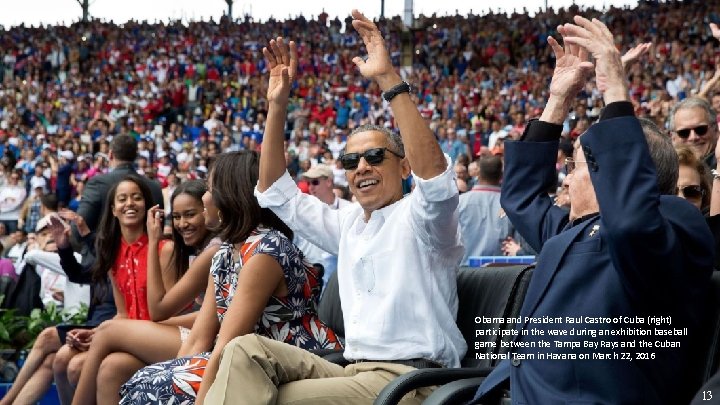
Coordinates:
column 258, row 370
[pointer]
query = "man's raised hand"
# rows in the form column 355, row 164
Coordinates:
column 282, row 62
column 571, row 68
column 597, row 39
column 377, row 66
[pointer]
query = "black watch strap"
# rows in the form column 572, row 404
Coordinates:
column 402, row 87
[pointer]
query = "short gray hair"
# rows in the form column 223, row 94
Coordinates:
column 394, row 139
column 693, row 102
column 663, row 155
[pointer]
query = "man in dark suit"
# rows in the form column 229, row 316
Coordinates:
column 123, row 151
column 625, row 252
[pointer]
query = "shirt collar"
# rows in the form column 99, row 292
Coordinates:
column 578, row 221
column 139, row 243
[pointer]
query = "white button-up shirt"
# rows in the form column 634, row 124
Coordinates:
column 397, row 272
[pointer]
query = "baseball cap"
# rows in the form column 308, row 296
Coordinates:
column 66, row 154
column 319, row 170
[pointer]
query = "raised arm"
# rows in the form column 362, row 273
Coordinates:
column 650, row 244
column 530, row 164
column 421, row 148
column 282, row 63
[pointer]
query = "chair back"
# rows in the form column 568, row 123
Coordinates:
column 492, row 292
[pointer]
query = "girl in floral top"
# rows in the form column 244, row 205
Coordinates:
column 260, row 282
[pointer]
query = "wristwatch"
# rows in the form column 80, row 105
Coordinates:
column 715, row 174
column 402, row 87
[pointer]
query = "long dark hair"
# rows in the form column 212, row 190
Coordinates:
column 107, row 241
column 233, row 176
column 182, row 252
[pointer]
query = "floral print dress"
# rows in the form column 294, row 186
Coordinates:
column 291, row 319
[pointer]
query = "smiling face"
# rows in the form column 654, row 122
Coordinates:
column 375, row 187
column 690, row 119
column 188, row 219
column 129, row 204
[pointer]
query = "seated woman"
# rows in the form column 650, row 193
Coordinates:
column 121, row 246
column 36, row 375
column 175, row 278
column 260, row 283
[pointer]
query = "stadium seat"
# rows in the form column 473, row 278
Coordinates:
column 494, row 292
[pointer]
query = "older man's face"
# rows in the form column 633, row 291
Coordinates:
column 701, row 133
column 376, row 186
column 583, row 200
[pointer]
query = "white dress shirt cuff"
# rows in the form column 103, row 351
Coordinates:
column 279, row 193
column 439, row 188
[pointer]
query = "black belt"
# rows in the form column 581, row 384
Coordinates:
column 417, row 363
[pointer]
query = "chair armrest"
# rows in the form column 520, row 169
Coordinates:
column 456, row 392
column 397, row 388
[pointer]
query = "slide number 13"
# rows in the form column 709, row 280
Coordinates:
column 707, row 395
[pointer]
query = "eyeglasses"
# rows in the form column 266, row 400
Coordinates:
column 374, row 157
column 691, row 192
column 699, row 130
column 315, row 182
column 571, row 163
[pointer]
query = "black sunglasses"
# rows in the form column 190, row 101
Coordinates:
column 374, row 157
column 691, row 192
column 700, row 130
column 315, row 182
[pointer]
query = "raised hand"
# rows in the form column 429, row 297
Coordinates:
column 155, row 224
column 597, row 39
column 282, row 63
column 60, row 232
column 715, row 30
column 571, row 68
column 378, row 62
column 634, row 53
column 76, row 219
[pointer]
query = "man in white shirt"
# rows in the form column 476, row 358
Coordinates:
column 397, row 257
column 320, row 180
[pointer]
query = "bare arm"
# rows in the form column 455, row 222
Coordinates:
column 175, row 298
column 205, row 327
column 119, row 301
column 422, row 149
column 258, row 280
column 282, row 61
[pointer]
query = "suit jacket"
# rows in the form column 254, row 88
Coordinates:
column 643, row 255
column 93, row 198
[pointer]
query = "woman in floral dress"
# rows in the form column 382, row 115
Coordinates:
column 260, row 282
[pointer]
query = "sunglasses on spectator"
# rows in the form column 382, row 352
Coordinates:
column 315, row 182
column 700, row 130
column 374, row 157
column 691, row 192
column 571, row 164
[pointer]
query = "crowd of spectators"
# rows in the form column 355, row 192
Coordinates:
column 189, row 91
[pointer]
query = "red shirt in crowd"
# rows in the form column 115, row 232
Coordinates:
column 130, row 276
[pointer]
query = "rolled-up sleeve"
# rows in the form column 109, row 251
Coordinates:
column 304, row 214
column 434, row 208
